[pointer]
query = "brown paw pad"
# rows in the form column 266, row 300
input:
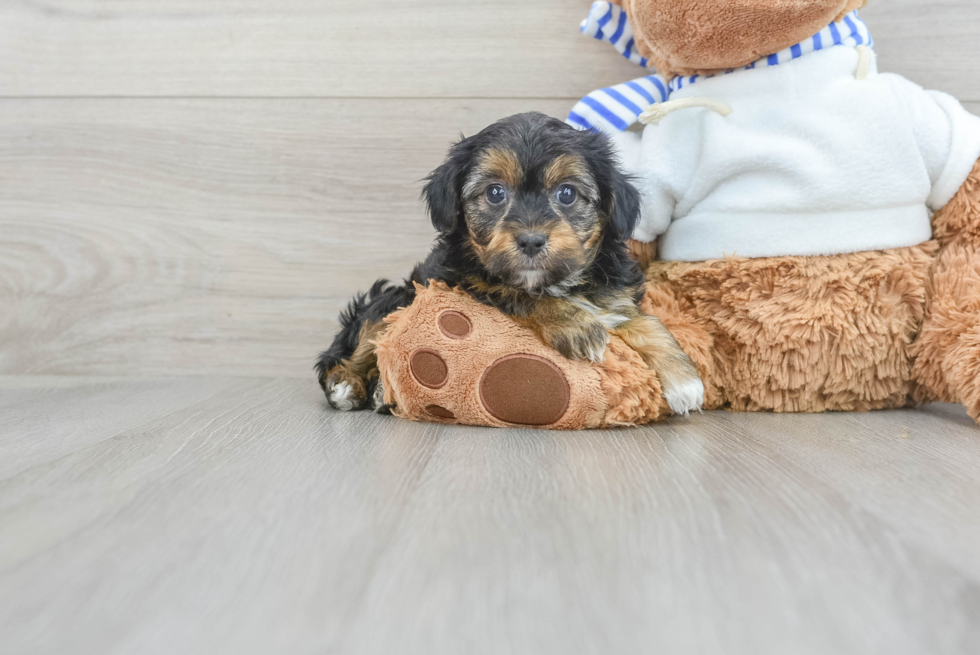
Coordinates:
column 525, row 390
column 439, row 412
column 429, row 368
column 454, row 325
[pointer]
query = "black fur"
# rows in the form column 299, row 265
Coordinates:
column 382, row 299
column 441, row 193
column 452, row 260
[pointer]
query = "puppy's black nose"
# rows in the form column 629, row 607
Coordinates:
column 531, row 243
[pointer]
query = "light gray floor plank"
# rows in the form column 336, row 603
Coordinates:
column 57, row 417
column 919, row 475
column 334, row 48
column 143, row 237
column 232, row 527
column 255, row 520
column 323, row 48
column 668, row 539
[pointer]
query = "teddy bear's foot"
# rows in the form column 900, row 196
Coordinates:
column 518, row 389
column 449, row 359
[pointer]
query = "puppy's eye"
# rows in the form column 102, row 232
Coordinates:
column 496, row 194
column 567, row 194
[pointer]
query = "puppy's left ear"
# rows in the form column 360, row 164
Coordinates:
column 442, row 193
column 622, row 206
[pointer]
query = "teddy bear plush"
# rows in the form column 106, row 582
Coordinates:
column 810, row 229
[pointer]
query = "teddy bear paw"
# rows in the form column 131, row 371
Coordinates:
column 518, row 388
column 449, row 359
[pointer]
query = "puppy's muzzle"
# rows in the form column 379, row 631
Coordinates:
column 531, row 243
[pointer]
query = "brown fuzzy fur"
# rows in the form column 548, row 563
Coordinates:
column 948, row 349
column 798, row 334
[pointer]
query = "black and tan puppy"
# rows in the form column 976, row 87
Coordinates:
column 533, row 218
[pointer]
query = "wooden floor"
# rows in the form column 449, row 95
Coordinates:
column 239, row 515
column 194, row 188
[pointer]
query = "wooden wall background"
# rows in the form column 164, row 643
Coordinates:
column 197, row 186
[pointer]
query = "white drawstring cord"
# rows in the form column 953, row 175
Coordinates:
column 864, row 62
column 658, row 112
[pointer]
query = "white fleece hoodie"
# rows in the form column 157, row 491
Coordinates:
column 810, row 161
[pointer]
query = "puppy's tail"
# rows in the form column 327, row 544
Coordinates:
column 373, row 306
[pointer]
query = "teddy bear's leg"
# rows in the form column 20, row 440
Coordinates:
column 947, row 365
column 451, row 359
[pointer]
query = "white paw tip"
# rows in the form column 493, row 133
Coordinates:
column 378, row 400
column 340, row 396
column 685, row 396
column 597, row 353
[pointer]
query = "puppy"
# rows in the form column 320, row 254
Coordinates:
column 533, row 218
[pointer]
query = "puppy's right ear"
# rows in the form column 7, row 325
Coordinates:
column 442, row 191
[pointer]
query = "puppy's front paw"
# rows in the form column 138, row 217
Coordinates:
column 684, row 395
column 344, row 391
column 679, row 379
column 587, row 341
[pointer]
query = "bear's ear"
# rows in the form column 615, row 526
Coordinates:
column 442, row 192
column 852, row 5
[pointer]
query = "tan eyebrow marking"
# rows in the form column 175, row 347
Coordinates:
column 502, row 165
column 566, row 167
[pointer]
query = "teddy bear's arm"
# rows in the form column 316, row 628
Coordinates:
column 963, row 139
column 947, row 135
column 947, row 365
